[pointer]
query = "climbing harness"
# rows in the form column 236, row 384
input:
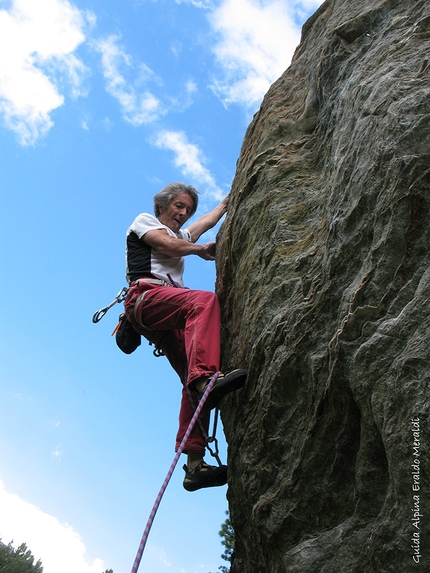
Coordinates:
column 120, row 297
column 169, row 474
column 127, row 338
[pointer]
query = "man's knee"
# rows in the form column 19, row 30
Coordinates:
column 208, row 297
column 204, row 297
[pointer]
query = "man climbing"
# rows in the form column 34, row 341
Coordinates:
column 183, row 323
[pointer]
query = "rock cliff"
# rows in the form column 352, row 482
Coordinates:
column 324, row 280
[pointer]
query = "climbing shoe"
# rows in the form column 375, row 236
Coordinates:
column 204, row 475
column 224, row 384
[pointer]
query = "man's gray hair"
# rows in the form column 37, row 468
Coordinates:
column 169, row 192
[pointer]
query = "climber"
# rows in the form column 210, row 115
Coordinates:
column 183, row 323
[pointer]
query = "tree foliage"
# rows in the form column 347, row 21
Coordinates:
column 227, row 535
column 19, row 560
column 227, row 539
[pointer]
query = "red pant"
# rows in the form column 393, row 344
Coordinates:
column 185, row 325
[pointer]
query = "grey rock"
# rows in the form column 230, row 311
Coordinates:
column 324, row 280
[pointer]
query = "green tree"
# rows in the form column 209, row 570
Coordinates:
column 227, row 539
column 18, row 560
column 227, row 535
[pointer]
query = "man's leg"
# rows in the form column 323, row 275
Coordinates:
column 198, row 474
column 197, row 314
column 172, row 344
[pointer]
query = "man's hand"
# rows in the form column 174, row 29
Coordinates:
column 224, row 203
column 208, row 251
column 160, row 240
column 209, row 220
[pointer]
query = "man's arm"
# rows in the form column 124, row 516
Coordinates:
column 208, row 221
column 160, row 240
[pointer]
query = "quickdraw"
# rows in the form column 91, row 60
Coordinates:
column 212, row 439
column 120, row 297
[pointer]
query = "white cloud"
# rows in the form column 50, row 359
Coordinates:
column 207, row 4
column 191, row 87
column 309, row 5
column 57, row 453
column 57, row 545
column 184, row 99
column 256, row 41
column 138, row 106
column 304, row 8
column 37, row 43
column 188, row 158
column 107, row 124
column 164, row 559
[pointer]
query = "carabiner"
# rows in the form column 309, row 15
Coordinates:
column 120, row 297
column 99, row 314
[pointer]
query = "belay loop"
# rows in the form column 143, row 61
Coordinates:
column 120, row 297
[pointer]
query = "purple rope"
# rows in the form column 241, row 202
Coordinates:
column 169, row 474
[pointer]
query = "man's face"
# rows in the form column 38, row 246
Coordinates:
column 177, row 212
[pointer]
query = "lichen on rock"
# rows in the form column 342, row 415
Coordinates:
column 324, row 281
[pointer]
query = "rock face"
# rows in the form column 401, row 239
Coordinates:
column 324, row 281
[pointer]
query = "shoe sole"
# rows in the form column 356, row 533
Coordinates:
column 231, row 382
column 218, row 480
column 195, row 487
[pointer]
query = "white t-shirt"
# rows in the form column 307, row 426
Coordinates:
column 142, row 260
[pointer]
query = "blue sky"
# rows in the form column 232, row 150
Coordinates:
column 101, row 104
